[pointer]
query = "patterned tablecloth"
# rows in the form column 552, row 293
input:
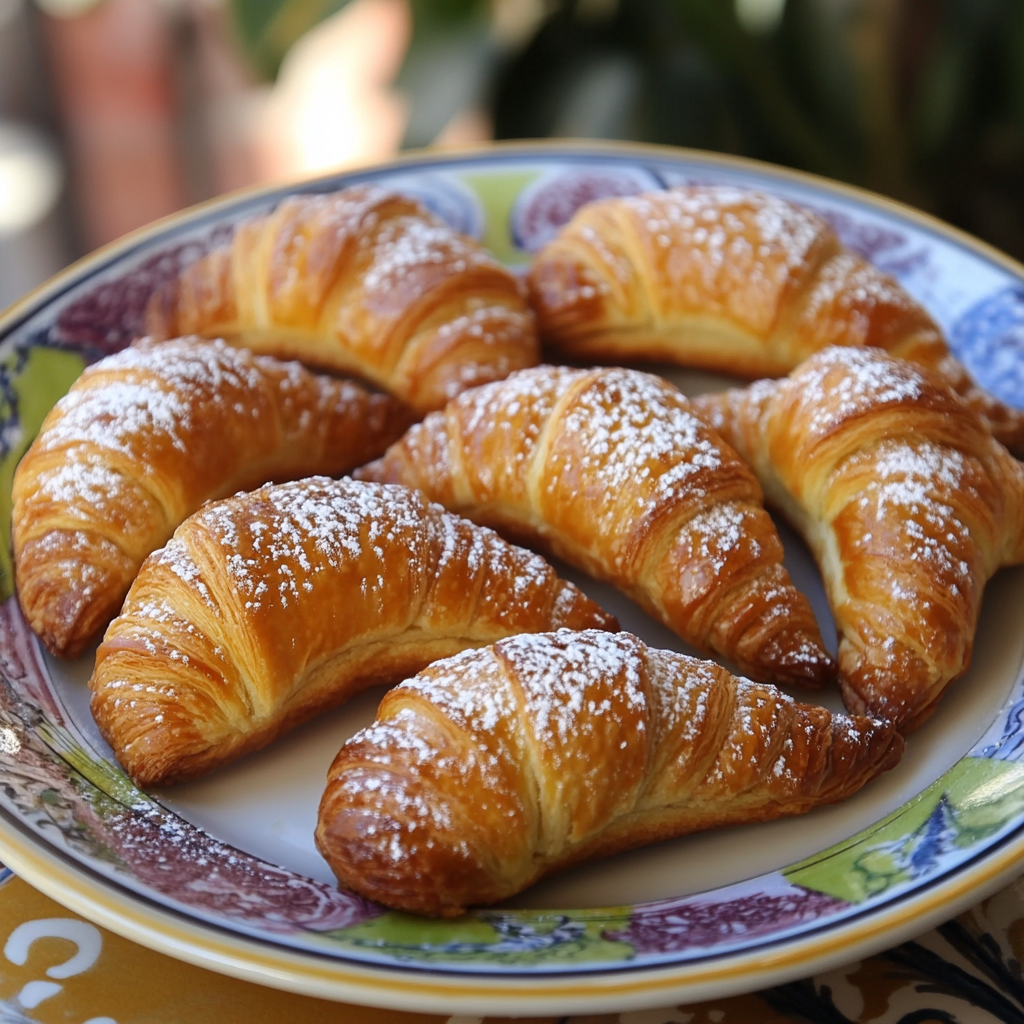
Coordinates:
column 57, row 967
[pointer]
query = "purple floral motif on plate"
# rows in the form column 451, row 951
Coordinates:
column 113, row 314
column 446, row 198
column 152, row 849
column 544, row 207
column 879, row 244
column 716, row 919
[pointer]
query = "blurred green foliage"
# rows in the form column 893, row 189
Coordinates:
column 268, row 28
column 922, row 100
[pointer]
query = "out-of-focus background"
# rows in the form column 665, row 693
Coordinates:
column 116, row 112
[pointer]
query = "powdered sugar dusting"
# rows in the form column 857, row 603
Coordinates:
column 498, row 328
column 564, row 606
column 721, row 529
column 471, row 691
column 715, row 215
column 476, row 698
column 176, row 556
column 80, row 557
column 155, row 395
column 86, row 481
column 759, row 714
column 561, row 673
column 842, row 382
column 395, row 734
column 725, row 246
column 404, row 247
column 914, row 476
column 115, row 416
column 614, row 260
column 516, row 409
column 633, row 438
column 918, row 483
column 190, row 363
column 572, row 684
column 679, row 686
column 315, row 525
column 639, row 429
column 505, row 402
column 277, row 541
column 853, row 283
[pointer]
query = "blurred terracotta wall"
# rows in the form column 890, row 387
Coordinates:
column 159, row 109
column 113, row 74
column 35, row 235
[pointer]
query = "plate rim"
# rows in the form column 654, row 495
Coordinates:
column 167, row 930
column 34, row 299
column 308, row 973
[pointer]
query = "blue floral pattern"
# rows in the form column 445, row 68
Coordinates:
column 990, row 337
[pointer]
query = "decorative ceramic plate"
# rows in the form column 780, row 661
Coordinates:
column 223, row 872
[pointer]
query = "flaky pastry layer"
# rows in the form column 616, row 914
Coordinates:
column 269, row 607
column 141, row 440
column 362, row 281
column 907, row 502
column 611, row 470
column 735, row 280
column 494, row 768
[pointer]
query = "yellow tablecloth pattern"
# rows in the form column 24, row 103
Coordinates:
column 57, row 968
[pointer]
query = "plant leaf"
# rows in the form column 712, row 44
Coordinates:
column 267, row 29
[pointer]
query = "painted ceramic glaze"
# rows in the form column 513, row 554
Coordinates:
column 224, row 872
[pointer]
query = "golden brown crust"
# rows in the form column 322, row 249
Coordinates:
column 141, row 440
column 268, row 607
column 610, row 470
column 733, row 280
column 907, row 502
column 494, row 768
column 363, row 281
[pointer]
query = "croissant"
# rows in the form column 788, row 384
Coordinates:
column 907, row 502
column 363, row 281
column 498, row 766
column 733, row 280
column 141, row 440
column 610, row 470
column 269, row 607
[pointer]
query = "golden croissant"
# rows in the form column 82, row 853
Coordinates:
column 141, row 440
column 360, row 281
column 734, row 280
column 907, row 502
column 494, row 768
column 610, row 470
column 268, row 607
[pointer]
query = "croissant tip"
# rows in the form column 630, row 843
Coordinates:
column 587, row 614
column 372, row 472
column 804, row 664
column 67, row 624
column 814, row 675
column 905, row 717
column 911, row 719
column 890, row 733
column 58, row 643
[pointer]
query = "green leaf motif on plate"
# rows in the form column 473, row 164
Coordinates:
column 973, row 801
column 105, row 775
column 33, row 383
column 498, row 192
column 514, row 938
